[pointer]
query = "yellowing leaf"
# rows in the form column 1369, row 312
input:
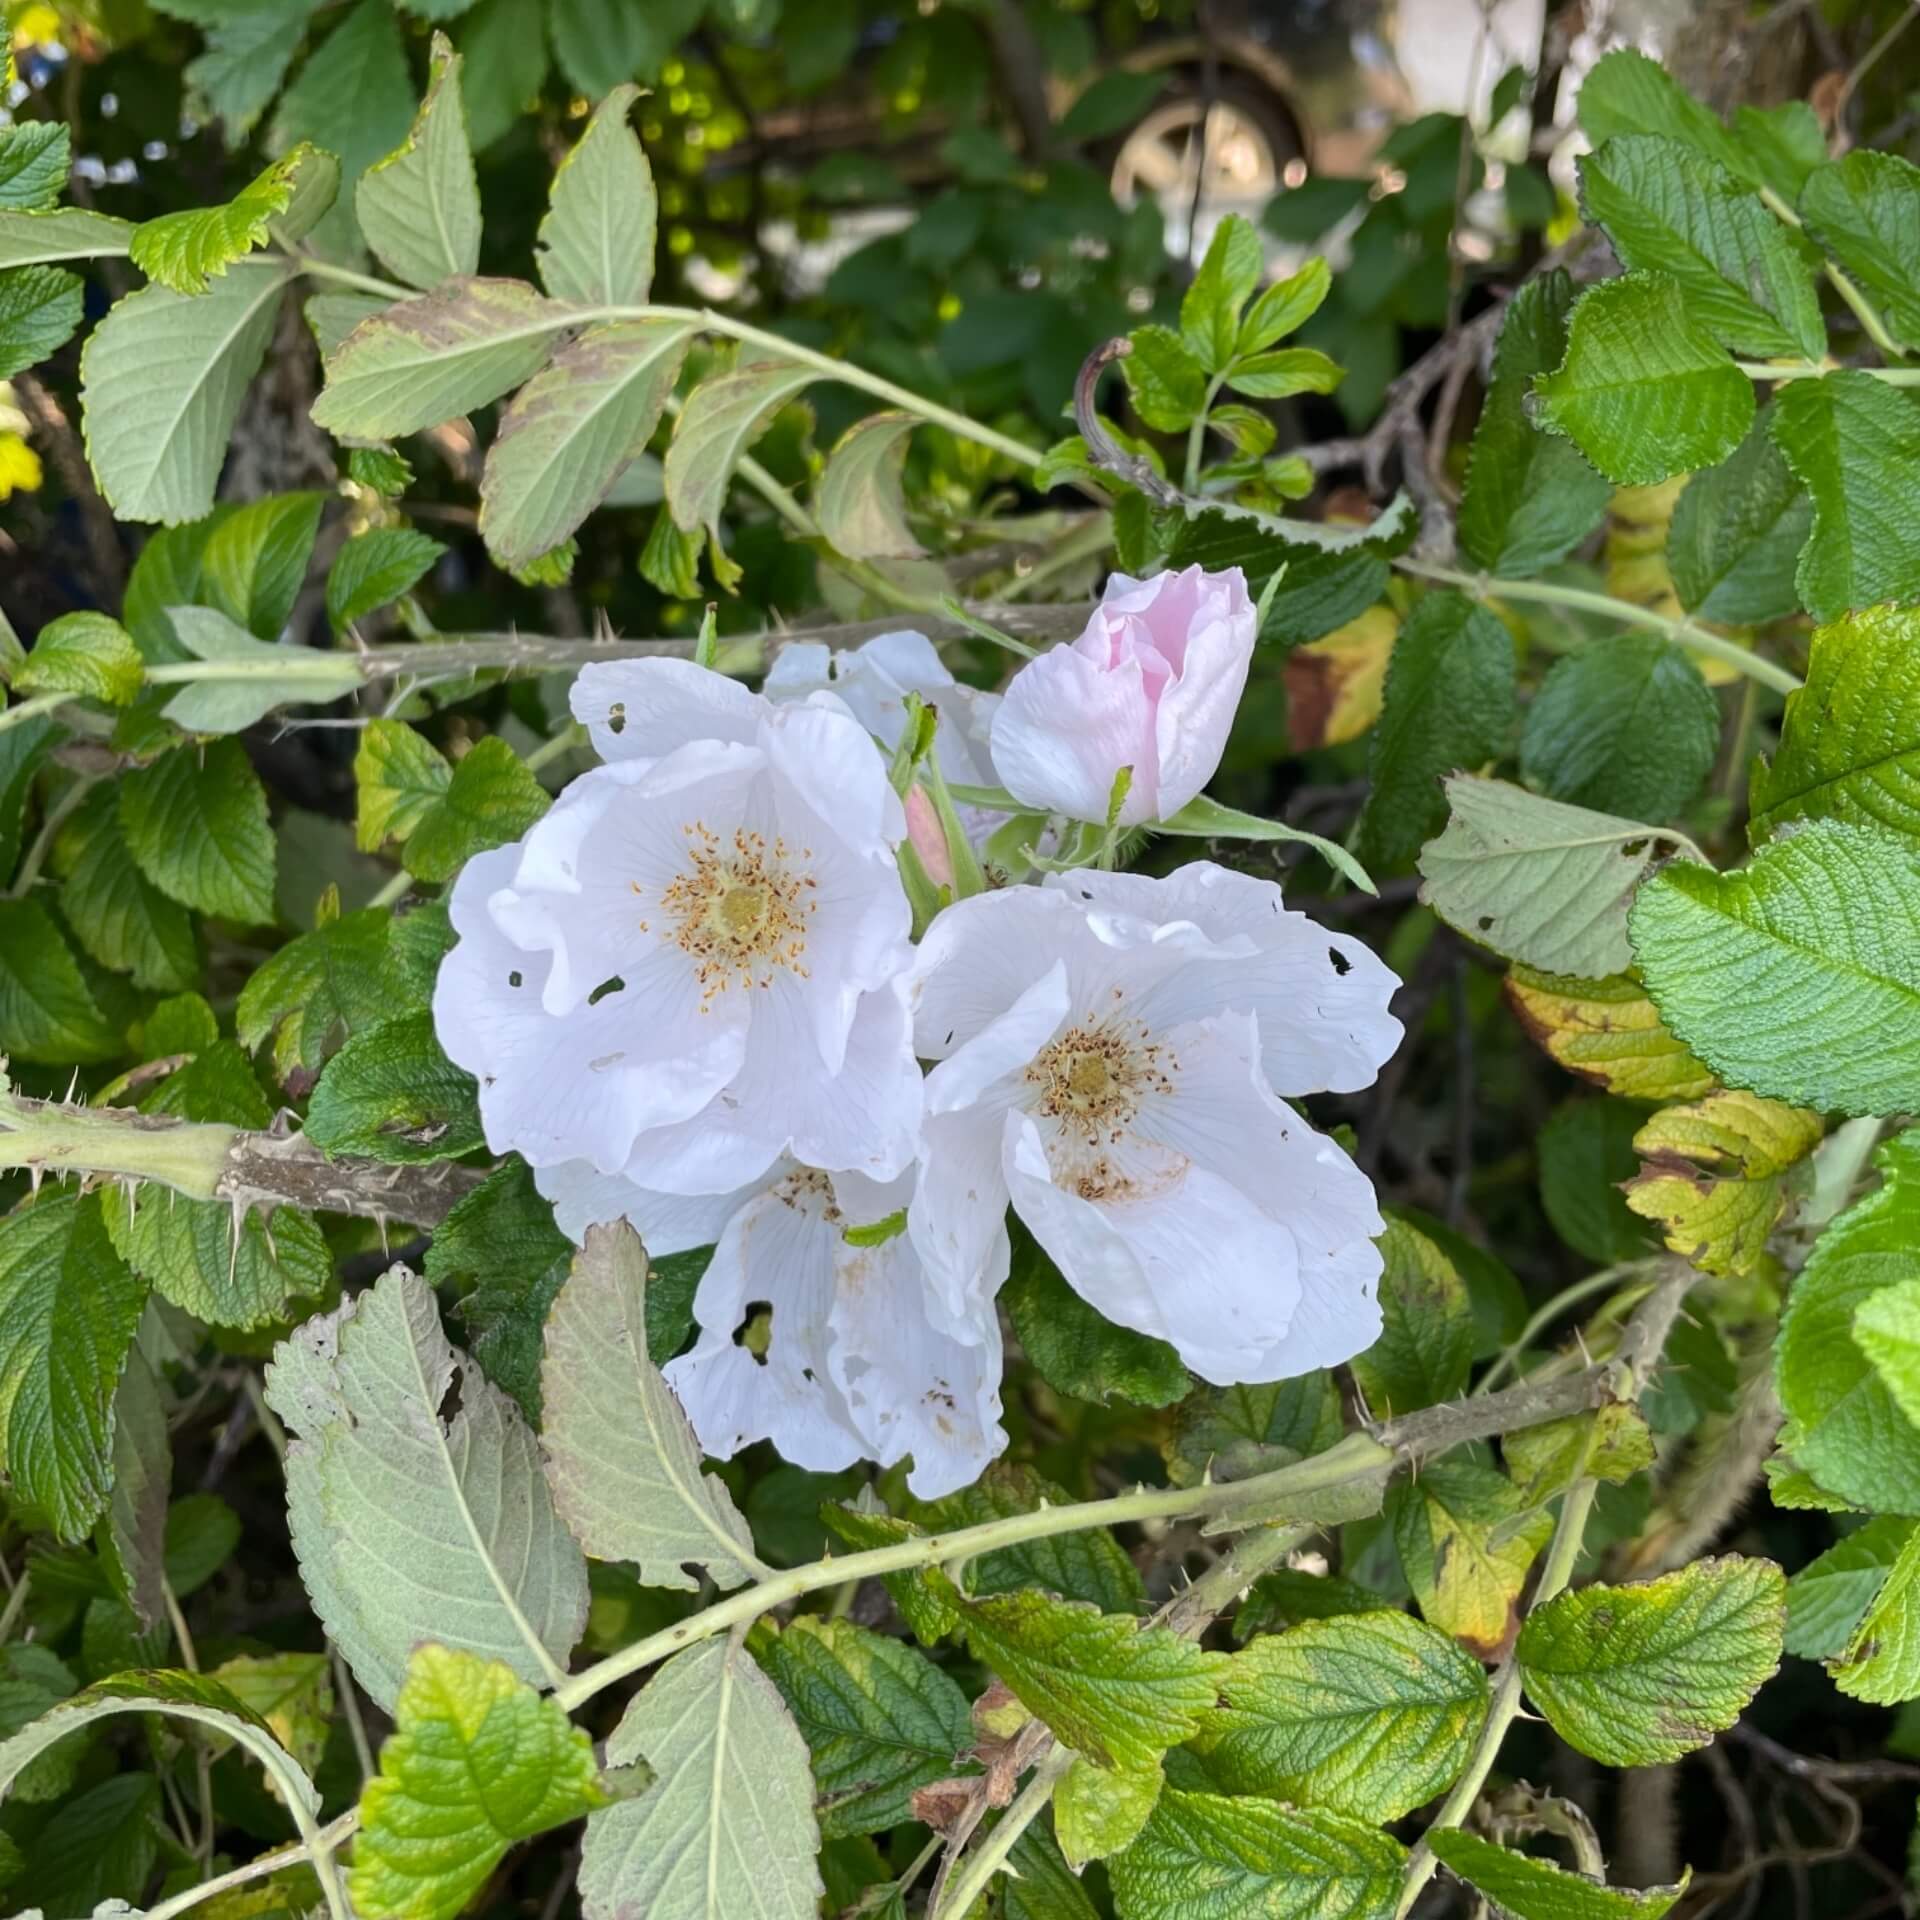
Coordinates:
column 1715, row 1175
column 186, row 250
column 1607, row 1031
column 19, row 467
column 1466, row 1541
column 1334, row 684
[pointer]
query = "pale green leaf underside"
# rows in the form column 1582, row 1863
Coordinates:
column 596, row 242
column 722, row 418
column 860, row 504
column 420, row 207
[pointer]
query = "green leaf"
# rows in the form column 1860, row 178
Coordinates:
column 196, row 820
column 68, row 1309
column 859, row 502
column 622, row 1460
column 1425, row 1349
column 1228, row 1433
column 187, row 251
column 1370, row 1716
column 572, row 430
column 1627, row 93
column 1854, row 443
column 1612, row 1443
column 1284, row 307
column 1098, row 1811
column 1829, row 1597
column 1165, row 381
column 1798, row 975
column 1119, row 1693
column 378, row 468
column 161, row 382
column 1635, row 1676
column 429, row 360
column 1845, row 1427
column 1531, row 498
column 65, row 233
column 1645, row 391
column 600, row 44
column 1448, row 703
column 40, row 309
column 1886, row 1328
column 1624, row 726
column 1881, row 1660
column 132, row 1533
column 1466, row 1539
column 34, row 157
column 401, row 777
column 1607, row 1031
column 723, row 416
column 266, row 676
column 1281, row 374
column 476, row 1761
column 256, row 557
column 490, row 799
column 420, row 207
column 244, row 62
column 596, row 242
column 1073, row 1348
column 353, row 95
column 879, row 1718
column 1046, row 1889
column 1735, row 537
column 84, row 653
column 98, row 1850
column 34, row 1680
column 1669, row 210
column 118, row 915
column 1531, row 1889
column 1090, row 1566
column 1586, row 1155
column 1534, row 879
column 1210, row 308
column 291, row 1692
column 1204, row 1857
column 1865, row 210
column 1113, row 103
column 1850, row 739
column 727, row 1827
column 392, row 1094
column 1780, row 145
column 48, row 1014
column 391, row 1499
column 319, row 989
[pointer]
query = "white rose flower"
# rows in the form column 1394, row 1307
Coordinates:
column 693, row 963
column 1113, row 1054
column 852, row 1366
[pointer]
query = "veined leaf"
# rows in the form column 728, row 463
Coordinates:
column 1637, row 1675
column 1736, row 534
column 1210, row 307
column 352, row 95
column 48, row 1014
column 622, row 1460
column 63, row 233
column 476, row 1761
column 319, row 989
column 375, row 569
column 597, row 240
column 40, row 310
column 400, row 775
column 722, row 418
column 600, row 44
column 1466, row 1540
column 186, row 251
column 1829, row 1596
column 161, row 382
column 860, row 504
column 196, row 820
column 489, row 799
column 1165, row 382
column 34, row 158
column 1098, row 1811
column 1539, row 881
column 1881, row 1660
column 84, row 653
column 291, row 1692
column 255, row 560
column 1607, row 1031
column 1627, row 93
column 1645, row 391
column 1865, row 210
column 1798, row 975
column 406, row 1523
column 1370, row 1715
column 727, row 1827
column 1886, row 1328
column 117, row 914
column 1425, row 1348
column 420, row 207
column 274, row 675
column 392, row 1094
column 1531, row 1889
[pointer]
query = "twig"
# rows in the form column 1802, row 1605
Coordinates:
column 70, row 458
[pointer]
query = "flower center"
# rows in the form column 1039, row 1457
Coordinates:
column 740, row 910
column 1092, row 1078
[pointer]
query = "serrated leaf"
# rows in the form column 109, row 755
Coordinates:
column 1284, row 307
column 1283, row 373
column 1227, row 276
column 255, row 560
column 1612, row 1443
column 1672, row 211
column 1736, row 535
column 1166, row 383
column 1846, row 1429
column 1829, row 1597
column 40, row 309
column 429, row 360
column 374, row 570
column 572, row 430
column 196, row 821
column 721, row 419
column 392, row 1094
column 1798, row 975
column 1119, row 1693
column 1227, row 1433
column 597, row 239
column 291, row 1692
column 34, row 157
column 161, row 382
column 1531, row 498
column 64, row 233
column 408, row 1524
column 1466, row 1539
column 1627, row 93
column 420, row 207
column 1544, row 883
column 188, row 250
column 1850, row 738
column 1715, row 1177
column 1635, row 1676
column 859, row 503
column 879, row 1719
column 246, row 58
column 97, row 1849
column 48, row 1014
column 33, row 1681
column 622, row 1460
column 490, row 799
column 117, row 914
column 1607, row 1031
column 1886, row 1328
column 267, row 675
column 1046, row 1889
column 1205, row 1857
column 319, row 989
column 1881, row 1660
column 353, row 96
column 599, row 43
column 1530, row 1889
column 727, row 1826
column 476, row 1761
column 1864, row 208
column 1854, row 443
column 1098, row 1811
column 1448, row 703
column 132, row 1533
column 1370, row 1716
column 68, row 1309
column 400, row 776
column 1645, row 390
column 84, row 653
column 1425, row 1348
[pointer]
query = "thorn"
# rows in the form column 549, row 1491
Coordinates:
column 235, row 1218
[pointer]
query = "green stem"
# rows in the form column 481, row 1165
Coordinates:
column 16, row 1606
column 1544, row 1317
column 1683, row 633
column 32, row 709
column 991, row 1855
column 1863, row 309
column 326, row 1839
column 1815, row 370
column 57, row 815
column 394, row 889
column 563, row 742
column 1197, row 435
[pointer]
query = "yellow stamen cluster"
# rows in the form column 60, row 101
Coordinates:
column 1092, row 1080
column 740, row 909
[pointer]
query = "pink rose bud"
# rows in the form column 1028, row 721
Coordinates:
column 927, row 837
column 1152, row 684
